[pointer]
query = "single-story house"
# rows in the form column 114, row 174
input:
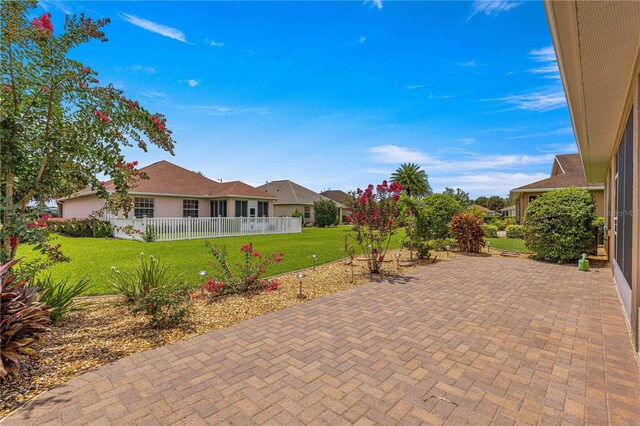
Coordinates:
column 482, row 209
column 566, row 172
column 339, row 197
column 292, row 197
column 509, row 211
column 597, row 45
column 173, row 191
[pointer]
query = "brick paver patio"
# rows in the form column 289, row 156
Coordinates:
column 473, row 340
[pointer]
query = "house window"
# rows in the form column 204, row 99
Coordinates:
column 307, row 212
column 242, row 209
column 219, row 208
column 143, row 207
column 532, row 197
column 263, row 209
column 189, row 208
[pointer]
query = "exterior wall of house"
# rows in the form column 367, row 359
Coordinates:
column 289, row 210
column 82, row 207
column 522, row 203
column 630, row 297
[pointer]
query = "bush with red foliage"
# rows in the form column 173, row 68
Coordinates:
column 468, row 230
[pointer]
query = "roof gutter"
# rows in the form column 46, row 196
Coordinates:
column 589, row 188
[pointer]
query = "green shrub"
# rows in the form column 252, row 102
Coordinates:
column 468, row 231
column 558, row 225
column 437, row 211
column 164, row 306
column 149, row 234
column 441, row 244
column 59, row 295
column 101, row 229
column 490, row 231
column 149, row 274
column 515, row 231
column 500, row 224
column 80, row 227
column 326, row 213
column 23, row 321
column 599, row 225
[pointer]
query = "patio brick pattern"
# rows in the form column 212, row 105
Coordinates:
column 473, row 340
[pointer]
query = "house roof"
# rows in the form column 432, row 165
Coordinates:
column 335, row 194
column 566, row 172
column 288, row 192
column 166, row 178
column 511, row 207
column 479, row 207
column 596, row 44
column 240, row 189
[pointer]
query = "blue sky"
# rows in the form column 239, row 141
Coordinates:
column 338, row 94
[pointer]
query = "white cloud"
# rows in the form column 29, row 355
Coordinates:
column 468, row 141
column 154, row 95
column 214, row 43
column 490, row 183
column 470, row 64
column 374, row 3
column 548, row 66
column 154, row 27
column 392, row 154
column 537, row 101
column 545, row 54
column 193, row 82
column 558, row 148
column 147, row 69
column 415, row 86
column 562, row 131
column 363, row 39
column 493, row 7
column 214, row 110
column 48, row 4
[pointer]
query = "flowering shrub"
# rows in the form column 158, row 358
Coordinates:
column 165, row 307
column 374, row 216
column 247, row 276
column 468, row 230
column 152, row 289
column 22, row 228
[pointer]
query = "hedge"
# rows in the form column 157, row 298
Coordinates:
column 93, row 228
column 515, row 231
column 558, row 225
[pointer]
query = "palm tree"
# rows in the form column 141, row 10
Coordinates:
column 414, row 181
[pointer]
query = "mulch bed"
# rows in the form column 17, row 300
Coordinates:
column 107, row 331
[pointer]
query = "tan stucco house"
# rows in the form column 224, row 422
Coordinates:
column 292, row 197
column 566, row 172
column 597, row 45
column 173, row 191
column 339, row 197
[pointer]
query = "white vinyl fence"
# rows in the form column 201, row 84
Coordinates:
column 178, row 228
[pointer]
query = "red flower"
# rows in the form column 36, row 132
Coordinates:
column 45, row 217
column 135, row 163
column 13, row 241
column 102, row 182
column 6, row 88
column 43, row 23
column 151, row 305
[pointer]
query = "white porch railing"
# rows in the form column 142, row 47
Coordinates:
column 178, row 228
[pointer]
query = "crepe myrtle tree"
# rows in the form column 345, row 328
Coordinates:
column 374, row 216
column 60, row 127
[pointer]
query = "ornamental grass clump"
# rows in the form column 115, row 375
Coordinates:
column 154, row 290
column 60, row 296
column 23, row 321
column 374, row 216
column 468, row 230
column 246, row 275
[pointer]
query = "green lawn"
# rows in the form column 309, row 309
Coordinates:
column 508, row 244
column 93, row 257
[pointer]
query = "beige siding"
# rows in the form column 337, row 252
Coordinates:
column 289, row 210
column 81, row 208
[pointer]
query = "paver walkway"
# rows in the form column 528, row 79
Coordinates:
column 477, row 340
